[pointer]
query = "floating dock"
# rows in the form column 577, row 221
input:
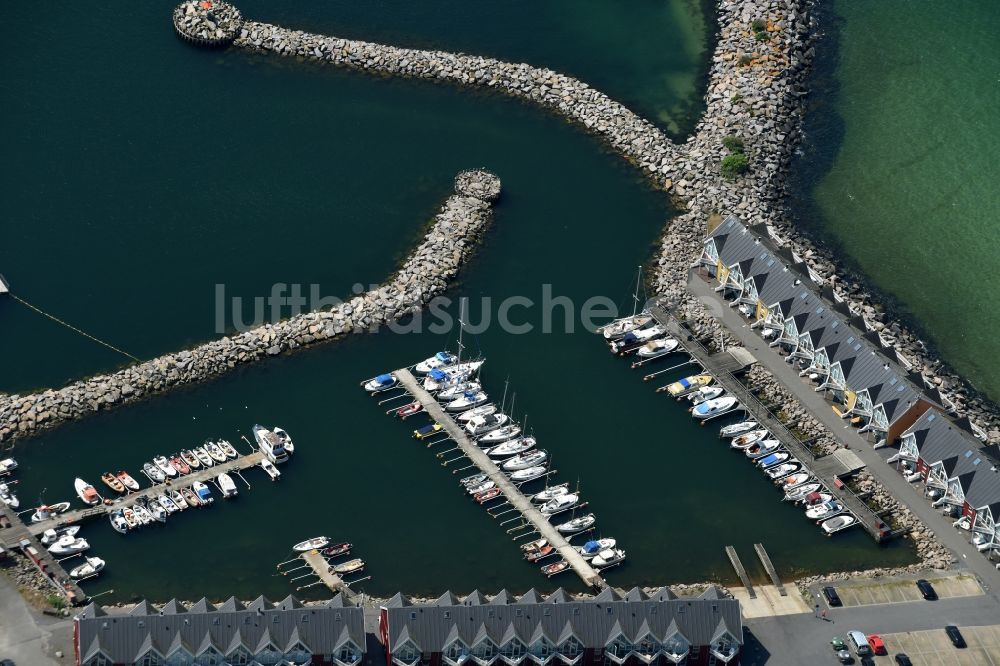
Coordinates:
column 511, row 492
column 204, row 475
column 765, row 559
column 740, row 571
column 17, row 537
column 321, row 568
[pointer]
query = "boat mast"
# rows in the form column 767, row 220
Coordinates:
column 635, row 296
column 503, row 403
column 461, row 328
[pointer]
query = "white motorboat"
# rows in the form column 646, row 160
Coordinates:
column 154, row 473
column 203, row 456
column 7, row 465
column 227, row 485
column 799, row 493
column 270, row 445
column 8, row 497
column 748, row 438
column 440, row 378
column 500, row 435
column 762, row 448
column 793, row 480
column 270, row 469
column 483, row 424
column 284, row 437
column 178, row 498
column 528, row 474
column 442, row 359
column 608, row 558
column 591, row 549
column 577, row 524
column 188, row 456
column 655, row 348
column 714, row 407
column 480, row 487
column 165, row 467
column 837, row 523
column 141, row 514
column 512, row 447
column 619, row 327
column 381, row 383
column 636, row 338
column 214, row 451
column 311, row 544
column 68, row 545
column 92, row 567
column 118, row 522
column 203, row 492
column 467, row 400
column 473, row 480
column 736, row 429
column 481, row 410
column 167, row 503
column 230, row 451
column 525, row 460
column 131, row 518
column 456, row 391
column 156, row 510
column 126, row 480
column 769, row 461
column 47, row 511
column 549, row 493
column 51, row 535
column 824, row 510
column 814, row 498
column 705, row 393
column 559, row 504
column 86, row 492
column 781, row 470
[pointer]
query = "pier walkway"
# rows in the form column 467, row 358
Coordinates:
column 204, row 475
column 756, row 410
column 321, row 568
column 18, row 538
column 765, row 559
column 529, row 511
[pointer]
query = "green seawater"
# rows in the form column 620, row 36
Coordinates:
column 899, row 166
column 143, row 173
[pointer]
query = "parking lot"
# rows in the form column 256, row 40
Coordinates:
column 933, row 648
column 899, row 591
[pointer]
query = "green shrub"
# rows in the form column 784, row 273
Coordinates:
column 733, row 144
column 56, row 601
column 759, row 25
column 762, row 36
column 734, row 165
column 736, row 99
column 744, row 60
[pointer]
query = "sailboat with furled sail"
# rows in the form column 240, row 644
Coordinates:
column 458, row 372
column 619, row 327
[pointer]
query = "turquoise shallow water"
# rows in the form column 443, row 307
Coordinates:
column 148, row 172
column 899, row 165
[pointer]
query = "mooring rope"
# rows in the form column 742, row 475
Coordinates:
column 71, row 327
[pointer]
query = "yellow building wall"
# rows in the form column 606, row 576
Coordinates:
column 762, row 311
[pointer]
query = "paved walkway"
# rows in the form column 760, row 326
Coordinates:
column 769, row 602
column 932, row 518
column 22, row 639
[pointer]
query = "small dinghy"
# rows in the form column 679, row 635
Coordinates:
column 156, row 510
column 167, row 503
column 426, row 431
column 92, row 567
column 540, row 554
column 214, row 451
column 801, row 492
column 456, row 391
column 381, row 383
column 529, row 474
column 409, row 410
column 619, row 327
column 556, row 568
column 782, row 470
column 550, row 493
column 525, row 460
column 656, row 348
column 793, row 480
column 142, row 515
column 178, row 497
column 350, row 566
column 48, row 511
column 714, row 407
column 748, row 439
column 270, row 469
column 511, row 448
column 164, row 466
column 131, row 518
column 178, row 464
column 837, row 523
column 8, row 497
column 111, row 481
column 824, row 510
column 226, row 485
column 737, row 429
column 500, row 435
column 190, row 497
column 473, row 480
column 188, row 456
column 311, row 544
column 481, row 410
column 230, row 451
column 705, row 393
column 764, row 447
column 68, row 545
column 590, row 549
column 126, row 480
column 483, row 424
column 632, row 340
column 153, row 472
column 559, row 504
column 578, row 524
column 50, row 536
column 487, row 495
column 203, row 457
column 203, row 492
column 480, row 487
column 608, row 558
column 467, row 400
column 773, row 459
column 442, row 359
column 86, row 492
column 534, row 545
column 337, row 550
column 688, row 384
column 118, row 522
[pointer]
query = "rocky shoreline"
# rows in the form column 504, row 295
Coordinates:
column 426, row 272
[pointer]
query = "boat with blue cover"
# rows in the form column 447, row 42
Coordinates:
column 381, row 383
column 442, row 359
column 714, row 407
column 689, row 384
column 590, row 549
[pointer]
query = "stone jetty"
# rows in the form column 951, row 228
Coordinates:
column 207, row 22
column 426, row 272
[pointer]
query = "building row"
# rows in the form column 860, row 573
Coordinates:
column 867, row 382
column 608, row 629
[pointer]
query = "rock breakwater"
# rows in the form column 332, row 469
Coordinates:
column 207, row 22
column 426, row 272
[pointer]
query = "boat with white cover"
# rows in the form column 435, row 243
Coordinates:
column 483, row 424
column 837, row 523
column 551, row 492
column 311, row 544
column 442, row 359
column 481, row 410
column 92, row 567
column 577, row 524
column 737, row 429
column 270, row 444
column 525, row 460
column 608, row 558
column 512, row 447
column 656, row 348
column 714, row 407
column 227, row 485
column 467, row 400
column 559, row 504
column 500, row 435
column 68, row 545
column 528, row 474
column 781, row 470
column 824, row 510
column 154, row 473
column 705, row 393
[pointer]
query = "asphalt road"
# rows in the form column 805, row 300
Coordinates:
column 25, row 638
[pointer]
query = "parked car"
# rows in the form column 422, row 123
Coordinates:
column 859, row 642
column 876, row 643
column 927, row 590
column 840, row 647
column 832, row 597
column 903, row 660
column 955, row 635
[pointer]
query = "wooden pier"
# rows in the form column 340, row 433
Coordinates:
column 17, row 537
column 754, row 409
column 766, row 561
column 517, row 500
column 203, row 474
column 740, row 571
column 321, row 568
